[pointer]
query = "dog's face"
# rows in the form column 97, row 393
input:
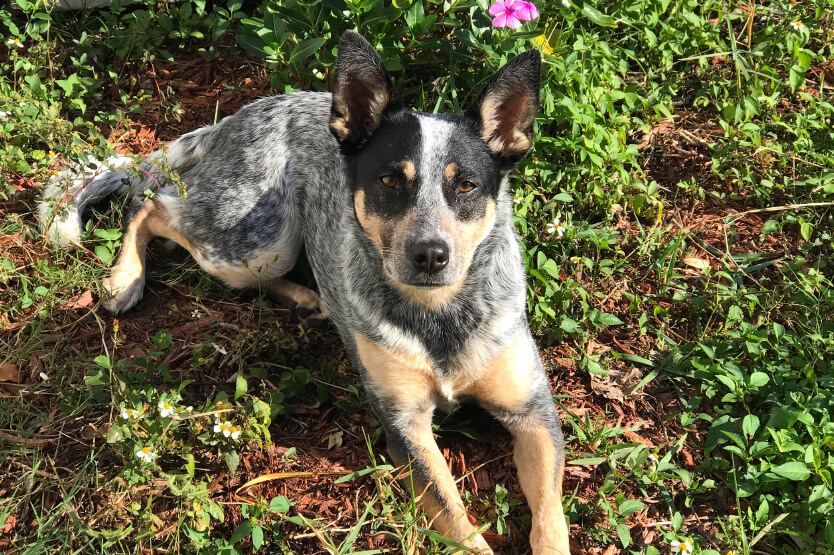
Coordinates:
column 425, row 187
column 425, row 190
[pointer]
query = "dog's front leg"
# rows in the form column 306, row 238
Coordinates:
column 401, row 389
column 412, row 445
column 515, row 390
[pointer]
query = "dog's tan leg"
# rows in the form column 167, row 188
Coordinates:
column 515, row 390
column 308, row 305
column 124, row 287
column 400, row 387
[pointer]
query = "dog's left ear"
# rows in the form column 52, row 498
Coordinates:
column 361, row 89
column 506, row 109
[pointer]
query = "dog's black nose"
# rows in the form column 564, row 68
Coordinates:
column 429, row 256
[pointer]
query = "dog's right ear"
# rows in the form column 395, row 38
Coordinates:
column 361, row 89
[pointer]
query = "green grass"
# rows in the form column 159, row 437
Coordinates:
column 686, row 314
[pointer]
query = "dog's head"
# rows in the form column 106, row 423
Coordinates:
column 425, row 187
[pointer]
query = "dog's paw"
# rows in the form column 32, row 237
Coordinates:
column 118, row 297
column 313, row 317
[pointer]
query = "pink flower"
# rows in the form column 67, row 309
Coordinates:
column 525, row 11
column 510, row 13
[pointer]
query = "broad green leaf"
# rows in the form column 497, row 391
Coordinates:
column 243, row 530
column 631, row 506
column 750, row 425
column 279, row 504
column 306, row 48
column 797, row 77
column 758, row 379
column 792, row 471
column 569, row 325
column 240, row 387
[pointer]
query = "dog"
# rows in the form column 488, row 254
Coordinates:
column 406, row 221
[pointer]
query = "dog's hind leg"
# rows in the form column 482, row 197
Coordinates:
column 514, row 389
column 308, row 306
column 124, row 288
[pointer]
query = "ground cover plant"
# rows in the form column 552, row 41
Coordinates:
column 676, row 220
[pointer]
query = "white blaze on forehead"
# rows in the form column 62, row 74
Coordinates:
column 434, row 147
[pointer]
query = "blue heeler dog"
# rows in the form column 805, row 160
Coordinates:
column 406, row 221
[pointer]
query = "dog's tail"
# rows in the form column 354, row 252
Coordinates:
column 71, row 192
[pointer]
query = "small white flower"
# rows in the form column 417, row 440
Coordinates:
column 146, row 454
column 190, row 410
column 22, row 103
column 53, row 154
column 128, row 413
column 196, row 314
column 556, row 227
column 684, row 548
column 44, row 377
column 517, row 199
column 653, row 458
column 565, row 3
column 219, row 348
column 4, row 115
column 797, row 25
column 225, row 428
column 575, row 259
column 234, row 432
column 614, row 177
column 165, row 409
column 15, row 42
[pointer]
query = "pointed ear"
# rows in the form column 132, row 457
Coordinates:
column 506, row 109
column 361, row 89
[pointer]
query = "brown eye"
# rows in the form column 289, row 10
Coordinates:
column 388, row 181
column 466, row 186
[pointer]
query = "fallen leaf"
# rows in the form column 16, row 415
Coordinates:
column 11, row 520
column 77, row 302
column 635, row 437
column 695, row 262
column 9, row 372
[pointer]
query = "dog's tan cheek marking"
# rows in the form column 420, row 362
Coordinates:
column 450, row 171
column 373, row 226
column 409, row 170
column 468, row 235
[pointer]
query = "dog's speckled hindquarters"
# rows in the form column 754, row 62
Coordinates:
column 406, row 219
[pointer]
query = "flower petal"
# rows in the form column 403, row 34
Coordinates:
column 525, row 11
column 498, row 7
column 513, row 22
column 500, row 20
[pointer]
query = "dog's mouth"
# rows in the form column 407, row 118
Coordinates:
column 417, row 282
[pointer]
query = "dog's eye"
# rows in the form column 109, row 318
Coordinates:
column 388, row 181
column 466, row 187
